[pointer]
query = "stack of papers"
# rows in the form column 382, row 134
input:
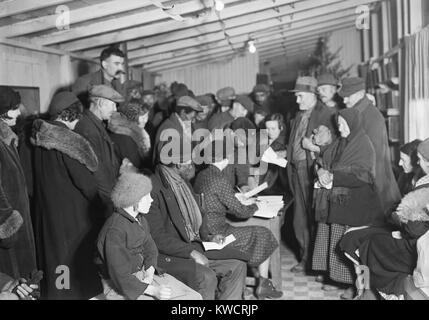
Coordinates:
column 268, row 206
column 270, row 156
column 216, row 246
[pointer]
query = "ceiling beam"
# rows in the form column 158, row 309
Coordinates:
column 78, row 15
column 192, row 60
column 328, row 14
column 223, row 50
column 306, row 25
column 232, row 17
column 211, row 58
column 37, row 48
column 219, row 46
column 124, row 22
column 13, row 7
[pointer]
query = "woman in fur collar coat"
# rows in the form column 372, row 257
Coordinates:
column 126, row 129
column 17, row 253
column 392, row 255
column 66, row 214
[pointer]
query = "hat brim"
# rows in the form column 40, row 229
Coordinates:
column 197, row 109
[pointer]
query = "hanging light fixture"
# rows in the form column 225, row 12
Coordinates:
column 219, row 5
column 251, row 46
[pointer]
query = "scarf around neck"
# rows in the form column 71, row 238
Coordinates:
column 188, row 206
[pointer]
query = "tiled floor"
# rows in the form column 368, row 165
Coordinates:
column 300, row 286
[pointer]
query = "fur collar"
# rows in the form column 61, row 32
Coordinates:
column 11, row 225
column 413, row 206
column 7, row 135
column 64, row 140
column 121, row 125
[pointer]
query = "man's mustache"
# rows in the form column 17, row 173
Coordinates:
column 119, row 72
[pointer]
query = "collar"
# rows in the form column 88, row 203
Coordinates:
column 185, row 127
column 98, row 122
column 422, row 181
column 126, row 215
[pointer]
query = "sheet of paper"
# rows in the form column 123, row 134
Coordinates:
column 270, row 156
column 270, row 198
column 216, row 246
column 268, row 209
column 255, row 191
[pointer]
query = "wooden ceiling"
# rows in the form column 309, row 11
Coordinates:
column 161, row 35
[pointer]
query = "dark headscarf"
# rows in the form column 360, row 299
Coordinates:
column 355, row 154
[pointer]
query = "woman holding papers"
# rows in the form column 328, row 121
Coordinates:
column 350, row 197
column 276, row 174
column 256, row 241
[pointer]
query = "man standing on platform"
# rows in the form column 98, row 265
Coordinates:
column 112, row 66
column 312, row 114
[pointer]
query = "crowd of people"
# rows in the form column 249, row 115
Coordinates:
column 104, row 195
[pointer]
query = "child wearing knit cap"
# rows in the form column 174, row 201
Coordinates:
column 127, row 254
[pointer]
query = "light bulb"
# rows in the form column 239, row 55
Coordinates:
column 219, row 5
column 252, row 48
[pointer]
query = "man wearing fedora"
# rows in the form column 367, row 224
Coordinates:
column 312, row 114
column 353, row 91
column 327, row 88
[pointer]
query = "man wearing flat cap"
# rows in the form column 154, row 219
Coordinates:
column 103, row 101
column 111, row 69
column 327, row 88
column 65, row 194
column 312, row 114
column 262, row 96
column 225, row 96
column 177, row 128
column 353, row 91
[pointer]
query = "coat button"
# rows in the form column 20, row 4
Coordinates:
column 168, row 259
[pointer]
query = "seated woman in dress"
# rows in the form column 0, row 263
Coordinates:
column 255, row 241
column 350, row 197
column 392, row 255
column 411, row 170
column 127, row 255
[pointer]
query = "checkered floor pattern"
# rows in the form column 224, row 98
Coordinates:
column 299, row 286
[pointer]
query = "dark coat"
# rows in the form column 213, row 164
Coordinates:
column 84, row 83
column 168, row 231
column 17, row 253
column 220, row 120
column 321, row 115
column 362, row 209
column 129, row 141
column 374, row 126
column 66, row 221
column 179, row 139
column 93, row 130
column 124, row 248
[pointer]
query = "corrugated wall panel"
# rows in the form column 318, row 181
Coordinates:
column 239, row 73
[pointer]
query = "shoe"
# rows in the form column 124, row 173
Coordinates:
column 320, row 278
column 329, row 287
column 348, row 294
column 299, row 268
column 265, row 289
